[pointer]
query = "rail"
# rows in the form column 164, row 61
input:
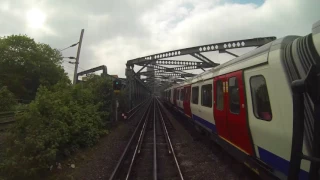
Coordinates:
column 155, row 173
column 137, row 146
column 136, row 109
column 136, row 106
column 7, row 117
column 169, row 141
column 152, row 118
column 120, row 161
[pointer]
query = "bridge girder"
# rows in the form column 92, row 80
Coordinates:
column 159, row 61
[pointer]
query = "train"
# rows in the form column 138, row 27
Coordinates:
column 246, row 104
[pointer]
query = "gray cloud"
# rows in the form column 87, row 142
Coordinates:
column 116, row 31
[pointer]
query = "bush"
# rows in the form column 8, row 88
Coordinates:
column 56, row 123
column 102, row 94
column 123, row 101
column 7, row 100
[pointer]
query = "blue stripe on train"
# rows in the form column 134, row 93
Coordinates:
column 205, row 123
column 269, row 158
column 279, row 163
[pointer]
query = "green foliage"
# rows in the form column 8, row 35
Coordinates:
column 123, row 101
column 7, row 100
column 60, row 120
column 102, row 92
column 25, row 65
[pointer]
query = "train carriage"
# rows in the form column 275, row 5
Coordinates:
column 246, row 103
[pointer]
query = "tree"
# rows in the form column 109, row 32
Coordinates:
column 25, row 65
column 58, row 122
column 8, row 101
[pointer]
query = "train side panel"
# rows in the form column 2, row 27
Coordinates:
column 186, row 101
column 259, row 132
column 201, row 105
column 175, row 96
column 270, row 119
column 171, row 96
column 180, row 100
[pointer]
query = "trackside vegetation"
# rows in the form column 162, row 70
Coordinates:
column 60, row 119
column 8, row 101
column 58, row 122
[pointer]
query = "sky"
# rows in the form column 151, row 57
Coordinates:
column 119, row 30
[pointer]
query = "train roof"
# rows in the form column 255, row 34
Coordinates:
column 252, row 58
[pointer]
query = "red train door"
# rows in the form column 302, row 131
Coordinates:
column 234, row 109
column 186, row 102
column 220, row 106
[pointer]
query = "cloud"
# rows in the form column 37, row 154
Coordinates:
column 117, row 31
column 180, row 24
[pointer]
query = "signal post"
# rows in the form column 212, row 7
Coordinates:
column 117, row 85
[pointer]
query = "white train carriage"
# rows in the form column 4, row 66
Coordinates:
column 246, row 103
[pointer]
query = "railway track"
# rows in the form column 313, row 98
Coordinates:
column 149, row 153
column 136, row 109
column 7, row 118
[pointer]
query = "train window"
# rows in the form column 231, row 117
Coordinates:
column 206, row 95
column 234, row 99
column 220, row 98
column 182, row 94
column 260, row 98
column 195, row 95
column 179, row 93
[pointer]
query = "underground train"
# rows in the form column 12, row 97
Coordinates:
column 246, row 104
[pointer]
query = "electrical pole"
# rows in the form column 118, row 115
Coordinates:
column 75, row 77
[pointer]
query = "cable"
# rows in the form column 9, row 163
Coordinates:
column 64, row 48
column 69, row 57
column 69, row 46
column 81, row 68
column 72, row 68
column 70, row 62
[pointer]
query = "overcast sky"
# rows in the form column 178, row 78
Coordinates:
column 120, row 30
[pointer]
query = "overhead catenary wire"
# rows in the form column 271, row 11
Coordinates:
column 81, row 68
column 70, row 62
column 71, row 68
column 69, row 46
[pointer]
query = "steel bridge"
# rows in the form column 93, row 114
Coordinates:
column 163, row 71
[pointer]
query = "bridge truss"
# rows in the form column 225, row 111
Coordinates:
column 162, row 71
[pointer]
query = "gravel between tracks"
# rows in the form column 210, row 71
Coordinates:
column 200, row 158
column 98, row 162
column 197, row 161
